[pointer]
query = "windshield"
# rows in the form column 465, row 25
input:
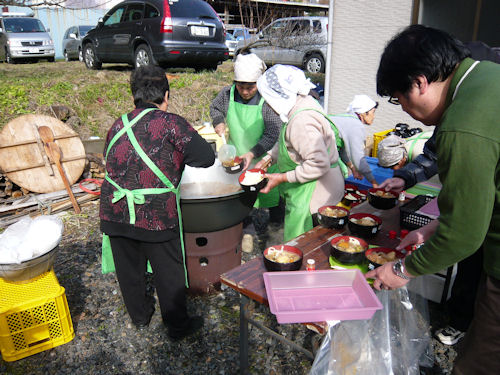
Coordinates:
column 23, row 25
column 84, row 30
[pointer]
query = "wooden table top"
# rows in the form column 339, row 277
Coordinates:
column 247, row 278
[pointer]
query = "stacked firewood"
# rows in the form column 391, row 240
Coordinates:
column 10, row 189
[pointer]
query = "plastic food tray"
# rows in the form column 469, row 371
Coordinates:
column 408, row 218
column 317, row 296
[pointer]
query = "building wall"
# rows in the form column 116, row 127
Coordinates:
column 361, row 29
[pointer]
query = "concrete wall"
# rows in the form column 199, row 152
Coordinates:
column 361, row 28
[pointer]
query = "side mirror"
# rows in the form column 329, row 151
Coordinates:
column 72, row 36
column 1, row 30
column 261, row 35
column 100, row 21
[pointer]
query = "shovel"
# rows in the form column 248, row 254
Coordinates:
column 54, row 153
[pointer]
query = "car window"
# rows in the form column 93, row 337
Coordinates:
column 151, row 12
column 317, row 26
column 300, row 27
column 115, row 16
column 23, row 25
column 192, row 9
column 133, row 13
column 66, row 35
column 84, row 30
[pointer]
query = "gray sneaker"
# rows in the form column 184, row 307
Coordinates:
column 449, row 335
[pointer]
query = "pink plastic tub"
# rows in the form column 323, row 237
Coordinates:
column 317, row 296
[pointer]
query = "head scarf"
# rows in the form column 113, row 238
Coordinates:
column 390, row 151
column 248, row 68
column 280, row 86
column 361, row 104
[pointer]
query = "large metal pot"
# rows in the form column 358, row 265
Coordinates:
column 212, row 200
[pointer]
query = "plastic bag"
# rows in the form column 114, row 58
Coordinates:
column 30, row 238
column 396, row 340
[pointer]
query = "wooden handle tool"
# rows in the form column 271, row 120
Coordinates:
column 54, row 153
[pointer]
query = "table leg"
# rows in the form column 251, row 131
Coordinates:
column 244, row 302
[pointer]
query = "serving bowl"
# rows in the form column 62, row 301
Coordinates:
column 358, row 227
column 29, row 268
column 234, row 166
column 253, row 186
column 379, row 198
column 332, row 216
column 350, row 199
column 279, row 258
column 384, row 255
column 348, row 249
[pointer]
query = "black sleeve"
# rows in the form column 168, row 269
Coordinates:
column 198, row 153
column 423, row 167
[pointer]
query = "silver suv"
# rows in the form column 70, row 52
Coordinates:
column 299, row 41
column 24, row 38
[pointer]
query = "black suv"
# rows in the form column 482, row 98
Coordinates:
column 169, row 33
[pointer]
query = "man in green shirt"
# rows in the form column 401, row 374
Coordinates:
column 430, row 75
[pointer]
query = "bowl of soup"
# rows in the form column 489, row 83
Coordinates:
column 282, row 258
column 364, row 225
column 332, row 216
column 348, row 249
column 234, row 165
column 384, row 200
column 378, row 256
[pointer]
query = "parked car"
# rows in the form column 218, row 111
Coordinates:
column 24, row 38
column 164, row 32
column 72, row 42
column 299, row 41
column 231, row 44
column 241, row 33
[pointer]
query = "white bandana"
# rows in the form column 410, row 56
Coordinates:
column 280, row 85
column 248, row 68
column 361, row 104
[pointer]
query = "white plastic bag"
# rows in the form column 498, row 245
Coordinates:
column 29, row 238
column 396, row 340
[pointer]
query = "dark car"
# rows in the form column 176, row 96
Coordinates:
column 72, row 42
column 169, row 33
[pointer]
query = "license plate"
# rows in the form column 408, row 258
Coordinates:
column 33, row 50
column 199, row 31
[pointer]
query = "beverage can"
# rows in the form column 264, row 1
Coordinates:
column 311, row 265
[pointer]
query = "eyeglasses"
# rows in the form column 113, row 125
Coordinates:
column 394, row 100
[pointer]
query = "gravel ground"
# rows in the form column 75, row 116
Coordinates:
column 106, row 342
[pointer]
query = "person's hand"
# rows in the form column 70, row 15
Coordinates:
column 374, row 184
column 356, row 174
column 274, row 179
column 264, row 163
column 220, row 129
column 419, row 236
column 395, row 183
column 247, row 159
column 385, row 278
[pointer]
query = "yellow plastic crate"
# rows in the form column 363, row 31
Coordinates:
column 377, row 137
column 34, row 316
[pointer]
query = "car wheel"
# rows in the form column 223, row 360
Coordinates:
column 314, row 63
column 66, row 57
column 51, row 59
column 80, row 54
column 143, row 56
column 90, row 58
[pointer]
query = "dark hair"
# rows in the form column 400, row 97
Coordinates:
column 418, row 50
column 149, row 84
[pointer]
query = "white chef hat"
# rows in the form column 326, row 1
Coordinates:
column 280, row 85
column 361, row 104
column 391, row 150
column 248, row 68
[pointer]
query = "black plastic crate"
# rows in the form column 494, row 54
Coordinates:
column 408, row 218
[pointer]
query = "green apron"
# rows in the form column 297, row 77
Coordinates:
column 246, row 127
column 413, row 141
column 297, row 196
column 136, row 196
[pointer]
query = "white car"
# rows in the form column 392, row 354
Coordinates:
column 298, row 41
column 231, row 44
